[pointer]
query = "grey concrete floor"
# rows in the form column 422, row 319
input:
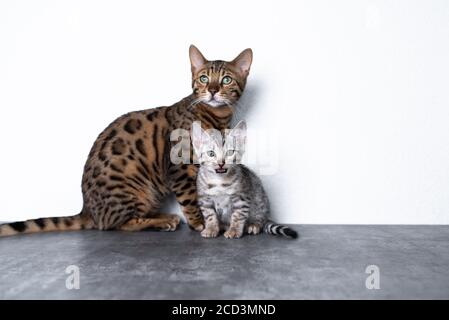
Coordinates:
column 326, row 262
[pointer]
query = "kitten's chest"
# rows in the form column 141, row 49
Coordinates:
column 223, row 207
column 222, row 193
column 219, row 190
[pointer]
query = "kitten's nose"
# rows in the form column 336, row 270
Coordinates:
column 213, row 91
column 221, row 165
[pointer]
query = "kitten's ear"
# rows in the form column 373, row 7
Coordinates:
column 197, row 138
column 239, row 129
column 243, row 61
column 197, row 60
column 238, row 135
column 200, row 138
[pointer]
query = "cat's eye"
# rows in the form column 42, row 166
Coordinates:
column 226, row 80
column 204, row 79
column 211, row 153
column 230, row 153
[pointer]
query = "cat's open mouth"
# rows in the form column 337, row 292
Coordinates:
column 221, row 170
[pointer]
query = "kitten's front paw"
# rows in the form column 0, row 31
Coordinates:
column 254, row 229
column 232, row 233
column 210, row 233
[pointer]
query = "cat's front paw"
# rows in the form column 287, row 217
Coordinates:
column 172, row 223
column 232, row 233
column 210, row 233
column 197, row 226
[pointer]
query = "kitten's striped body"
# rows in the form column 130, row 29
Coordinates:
column 236, row 202
column 128, row 172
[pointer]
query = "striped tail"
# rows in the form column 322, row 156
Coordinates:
column 77, row 222
column 279, row 230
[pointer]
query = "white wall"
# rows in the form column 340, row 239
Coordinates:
column 354, row 92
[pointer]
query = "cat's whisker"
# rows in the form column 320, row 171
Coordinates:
column 194, row 103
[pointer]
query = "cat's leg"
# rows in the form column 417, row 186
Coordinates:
column 237, row 224
column 258, row 218
column 183, row 184
column 255, row 224
column 212, row 225
column 254, row 228
column 161, row 221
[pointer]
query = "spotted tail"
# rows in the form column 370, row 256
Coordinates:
column 77, row 222
column 277, row 229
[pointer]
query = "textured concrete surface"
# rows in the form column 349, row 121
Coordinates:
column 326, row 262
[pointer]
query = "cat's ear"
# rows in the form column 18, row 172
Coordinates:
column 197, row 60
column 243, row 61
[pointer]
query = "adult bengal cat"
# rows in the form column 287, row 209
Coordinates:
column 128, row 172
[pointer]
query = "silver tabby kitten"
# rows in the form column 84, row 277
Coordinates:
column 231, row 197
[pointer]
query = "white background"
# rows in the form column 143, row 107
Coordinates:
column 354, row 92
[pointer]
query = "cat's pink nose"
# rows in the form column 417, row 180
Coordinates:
column 213, row 91
column 221, row 165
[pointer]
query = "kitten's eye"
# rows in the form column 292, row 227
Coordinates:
column 226, row 80
column 204, row 79
column 230, row 153
column 211, row 153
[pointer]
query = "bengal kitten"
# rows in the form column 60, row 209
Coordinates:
column 128, row 172
column 231, row 197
